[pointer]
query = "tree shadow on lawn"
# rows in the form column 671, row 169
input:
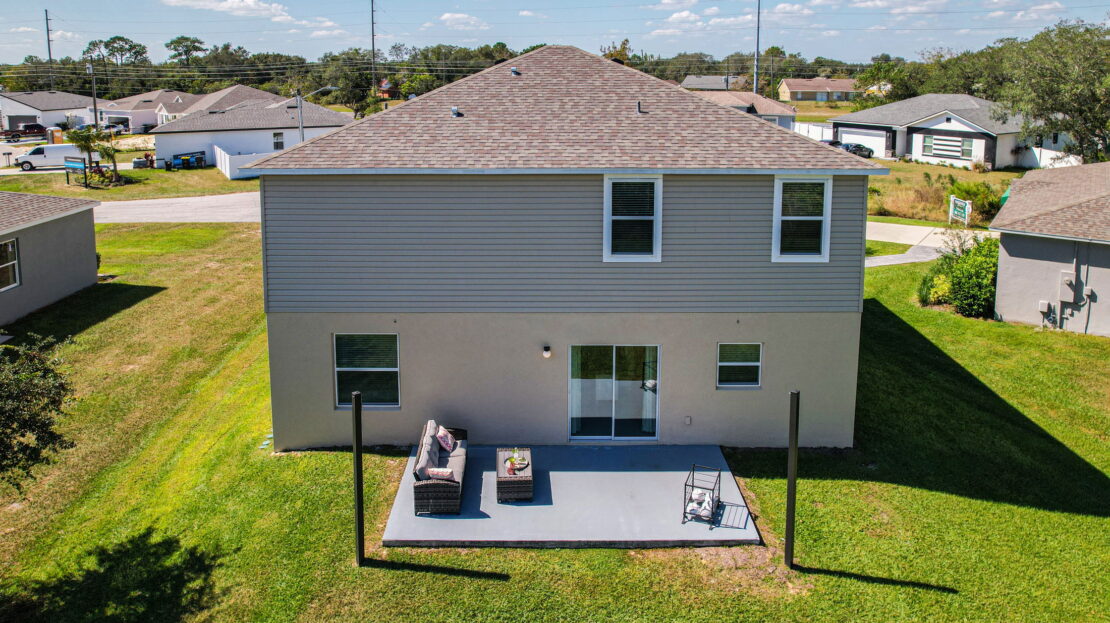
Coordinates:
column 142, row 578
column 924, row 421
column 82, row 310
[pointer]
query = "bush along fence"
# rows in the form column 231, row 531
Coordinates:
column 963, row 276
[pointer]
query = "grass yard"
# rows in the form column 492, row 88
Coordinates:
column 150, row 184
column 819, row 112
column 978, row 489
column 905, row 194
column 880, row 247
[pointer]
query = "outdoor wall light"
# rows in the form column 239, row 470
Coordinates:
column 546, row 352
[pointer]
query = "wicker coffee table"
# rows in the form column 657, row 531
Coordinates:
column 517, row 486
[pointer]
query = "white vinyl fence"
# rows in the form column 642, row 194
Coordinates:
column 229, row 164
column 1041, row 158
column 818, row 131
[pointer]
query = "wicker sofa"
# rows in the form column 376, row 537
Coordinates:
column 431, row 495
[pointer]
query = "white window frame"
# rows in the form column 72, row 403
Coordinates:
column 15, row 263
column 279, row 136
column 717, row 371
column 336, row 370
column 826, row 220
column 607, row 230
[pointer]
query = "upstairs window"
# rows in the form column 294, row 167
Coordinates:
column 9, row 264
column 367, row 363
column 803, row 208
column 279, row 141
column 633, row 230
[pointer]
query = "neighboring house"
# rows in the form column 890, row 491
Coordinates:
column 818, row 89
column 217, row 100
column 47, row 251
column 662, row 269
column 140, row 112
column 1054, row 256
column 49, row 108
column 947, row 129
column 713, row 83
column 754, row 104
column 250, row 129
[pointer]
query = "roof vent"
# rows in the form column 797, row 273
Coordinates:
column 617, row 61
column 514, row 71
column 455, row 112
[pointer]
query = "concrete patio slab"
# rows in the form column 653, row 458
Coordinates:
column 585, row 496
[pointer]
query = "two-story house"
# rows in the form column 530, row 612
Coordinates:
column 656, row 268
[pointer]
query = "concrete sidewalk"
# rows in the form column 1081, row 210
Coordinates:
column 912, row 234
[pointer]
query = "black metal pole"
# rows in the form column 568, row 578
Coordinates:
column 791, row 478
column 356, row 420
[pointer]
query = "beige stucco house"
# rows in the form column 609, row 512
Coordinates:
column 662, row 269
column 1054, row 254
column 47, row 251
column 818, row 89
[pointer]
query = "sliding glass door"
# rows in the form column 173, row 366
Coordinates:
column 613, row 392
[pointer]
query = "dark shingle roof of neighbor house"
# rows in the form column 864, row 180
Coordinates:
column 713, row 83
column 567, row 109
column 224, row 98
column 151, row 99
column 255, row 115
column 974, row 109
column 20, row 210
column 821, row 84
column 762, row 105
column 50, row 100
column 1072, row 202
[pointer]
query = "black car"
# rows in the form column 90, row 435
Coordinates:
column 862, row 151
column 830, row 143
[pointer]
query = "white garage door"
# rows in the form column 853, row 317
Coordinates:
column 875, row 139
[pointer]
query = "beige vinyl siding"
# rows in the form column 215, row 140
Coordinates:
column 524, row 243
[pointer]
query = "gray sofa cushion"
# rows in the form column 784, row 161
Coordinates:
column 427, row 451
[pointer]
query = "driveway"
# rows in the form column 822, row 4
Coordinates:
column 234, row 208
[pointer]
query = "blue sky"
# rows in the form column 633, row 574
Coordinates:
column 850, row 30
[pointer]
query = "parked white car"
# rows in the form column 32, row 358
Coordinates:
column 49, row 156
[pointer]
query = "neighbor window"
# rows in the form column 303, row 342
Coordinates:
column 739, row 365
column 802, row 212
column 965, row 148
column 279, row 141
column 367, row 363
column 633, row 230
column 927, row 145
column 9, row 264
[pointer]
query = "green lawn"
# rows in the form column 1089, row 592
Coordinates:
column 148, row 184
column 819, row 112
column 880, row 247
column 978, row 489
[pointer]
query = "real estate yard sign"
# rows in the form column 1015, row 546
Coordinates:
column 959, row 209
column 77, row 163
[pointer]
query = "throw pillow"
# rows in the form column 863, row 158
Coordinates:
column 446, row 439
column 441, row 473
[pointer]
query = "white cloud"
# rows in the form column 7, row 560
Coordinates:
column 830, row 33
column 963, row 31
column 876, row 27
column 832, row 3
column 791, row 9
column 996, row 14
column 462, row 21
column 713, row 10
column 23, row 29
column 527, row 13
column 64, row 34
column 870, row 4
column 319, row 34
column 665, row 32
column 1040, row 12
column 276, row 12
column 683, row 17
column 732, row 21
column 919, row 7
column 426, row 25
column 671, row 5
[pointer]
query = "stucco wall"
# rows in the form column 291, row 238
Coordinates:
column 56, row 259
column 978, row 152
column 485, row 373
column 1029, row 271
column 233, row 142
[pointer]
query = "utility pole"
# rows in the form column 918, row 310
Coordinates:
column 96, row 115
column 49, row 52
column 755, row 72
column 373, row 51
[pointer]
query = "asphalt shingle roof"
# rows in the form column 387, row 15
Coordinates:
column 745, row 99
column 50, row 100
column 254, row 115
column 1067, row 201
column 567, row 109
column 713, row 83
column 821, row 84
column 151, row 100
column 974, row 109
column 19, row 210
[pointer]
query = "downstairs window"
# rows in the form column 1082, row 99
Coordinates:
column 367, row 363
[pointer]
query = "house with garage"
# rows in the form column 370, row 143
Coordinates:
column 765, row 108
column 47, row 251
column 950, row 129
column 140, row 112
column 818, row 89
column 1054, row 251
column 233, row 133
column 49, row 108
column 713, row 83
column 663, row 270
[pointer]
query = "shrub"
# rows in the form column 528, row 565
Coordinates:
column 985, row 200
column 979, row 166
column 941, row 292
column 964, row 276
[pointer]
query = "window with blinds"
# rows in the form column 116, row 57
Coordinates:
column 801, row 219
column 739, row 365
column 633, row 219
column 367, row 363
column 9, row 264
